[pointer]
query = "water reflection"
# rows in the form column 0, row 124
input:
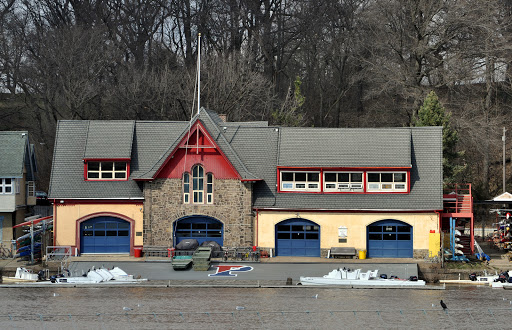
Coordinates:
column 292, row 308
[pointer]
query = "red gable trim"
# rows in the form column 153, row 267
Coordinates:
column 106, row 159
column 209, row 143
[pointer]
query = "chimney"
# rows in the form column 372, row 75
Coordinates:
column 223, row 117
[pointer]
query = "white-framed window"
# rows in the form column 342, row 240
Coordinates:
column 7, row 186
column 31, row 189
column 201, row 191
column 300, row 181
column 197, row 184
column 107, row 170
column 343, row 181
column 386, row 181
column 17, row 185
column 209, row 188
column 186, row 188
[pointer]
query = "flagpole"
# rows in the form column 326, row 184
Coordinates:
column 198, row 73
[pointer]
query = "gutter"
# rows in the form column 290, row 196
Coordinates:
column 348, row 210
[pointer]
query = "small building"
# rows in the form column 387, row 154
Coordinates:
column 18, row 169
column 120, row 185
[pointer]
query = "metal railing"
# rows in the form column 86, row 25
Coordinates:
column 457, row 198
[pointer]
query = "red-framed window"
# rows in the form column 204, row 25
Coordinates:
column 344, row 180
column 106, row 170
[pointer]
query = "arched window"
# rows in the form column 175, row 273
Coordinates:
column 200, row 189
column 209, row 188
column 186, row 188
column 197, row 184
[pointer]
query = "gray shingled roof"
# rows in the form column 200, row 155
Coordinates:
column 345, row 147
column 109, row 139
column 13, row 152
column 67, row 178
column 256, row 152
column 152, row 144
column 426, row 181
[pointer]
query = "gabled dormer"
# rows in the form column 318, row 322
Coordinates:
column 108, row 149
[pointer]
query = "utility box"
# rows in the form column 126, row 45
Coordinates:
column 434, row 244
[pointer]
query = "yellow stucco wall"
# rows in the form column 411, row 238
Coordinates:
column 67, row 215
column 355, row 222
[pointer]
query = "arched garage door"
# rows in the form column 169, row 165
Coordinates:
column 390, row 239
column 298, row 237
column 199, row 227
column 105, row 235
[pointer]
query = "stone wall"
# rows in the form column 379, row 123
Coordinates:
column 232, row 205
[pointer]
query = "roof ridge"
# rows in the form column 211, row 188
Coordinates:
column 221, row 134
column 169, row 150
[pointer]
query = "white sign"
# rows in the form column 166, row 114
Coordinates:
column 342, row 232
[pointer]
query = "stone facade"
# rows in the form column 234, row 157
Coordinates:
column 232, row 205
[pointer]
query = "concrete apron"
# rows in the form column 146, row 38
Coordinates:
column 242, row 271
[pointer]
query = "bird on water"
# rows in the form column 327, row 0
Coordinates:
column 443, row 305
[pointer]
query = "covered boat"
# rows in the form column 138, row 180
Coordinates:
column 101, row 275
column 22, row 275
column 358, row 278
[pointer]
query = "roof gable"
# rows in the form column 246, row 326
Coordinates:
column 505, row 197
column 14, row 149
column 109, row 139
column 197, row 147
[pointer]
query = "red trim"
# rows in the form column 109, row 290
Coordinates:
column 100, row 214
column 98, row 201
column 365, row 171
column 196, row 127
column 344, row 211
column 342, row 168
column 28, row 223
column 257, row 219
column 54, row 223
column 106, row 159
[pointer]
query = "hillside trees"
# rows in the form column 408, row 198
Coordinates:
column 360, row 63
column 432, row 113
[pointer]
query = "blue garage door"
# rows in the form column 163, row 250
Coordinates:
column 298, row 237
column 389, row 239
column 201, row 228
column 105, row 235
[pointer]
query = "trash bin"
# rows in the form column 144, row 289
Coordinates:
column 362, row 254
column 137, row 252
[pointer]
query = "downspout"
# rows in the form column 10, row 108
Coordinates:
column 256, row 234
column 440, row 217
column 277, row 162
column 54, row 223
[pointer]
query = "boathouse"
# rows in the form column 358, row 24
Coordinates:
column 295, row 191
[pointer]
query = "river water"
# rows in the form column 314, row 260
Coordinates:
column 253, row 308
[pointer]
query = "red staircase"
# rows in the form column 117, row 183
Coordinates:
column 458, row 204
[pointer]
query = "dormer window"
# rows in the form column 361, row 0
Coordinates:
column 387, row 181
column 357, row 180
column 300, row 181
column 343, row 181
column 108, row 170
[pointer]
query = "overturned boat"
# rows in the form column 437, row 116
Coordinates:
column 101, row 275
column 22, row 275
column 358, row 278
